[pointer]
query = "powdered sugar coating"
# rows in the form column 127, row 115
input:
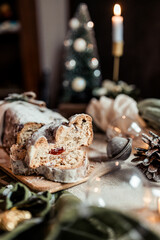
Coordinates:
column 46, row 131
column 25, row 112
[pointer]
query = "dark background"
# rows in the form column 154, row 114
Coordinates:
column 140, row 63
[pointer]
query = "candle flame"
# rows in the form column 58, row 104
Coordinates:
column 117, row 10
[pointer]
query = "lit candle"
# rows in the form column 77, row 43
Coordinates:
column 117, row 24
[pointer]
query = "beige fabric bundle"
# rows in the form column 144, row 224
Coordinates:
column 106, row 110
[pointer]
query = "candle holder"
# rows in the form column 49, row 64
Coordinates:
column 117, row 52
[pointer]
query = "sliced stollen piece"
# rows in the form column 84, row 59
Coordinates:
column 18, row 165
column 55, row 150
column 59, row 139
column 19, row 119
column 68, row 168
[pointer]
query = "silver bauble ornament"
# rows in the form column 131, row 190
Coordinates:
column 119, row 148
column 79, row 45
column 93, row 63
column 74, row 23
column 70, row 64
column 78, row 84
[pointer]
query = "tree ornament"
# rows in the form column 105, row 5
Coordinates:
column 119, row 148
column 97, row 73
column 74, row 23
column 65, row 83
column 149, row 159
column 90, row 47
column 68, row 42
column 94, row 63
column 70, row 65
column 79, row 45
column 78, row 84
column 90, row 25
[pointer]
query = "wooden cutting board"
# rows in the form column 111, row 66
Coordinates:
column 39, row 183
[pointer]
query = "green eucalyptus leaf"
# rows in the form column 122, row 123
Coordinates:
column 14, row 195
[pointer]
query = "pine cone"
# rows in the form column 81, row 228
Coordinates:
column 149, row 159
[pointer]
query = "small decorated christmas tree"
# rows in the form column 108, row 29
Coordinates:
column 81, row 64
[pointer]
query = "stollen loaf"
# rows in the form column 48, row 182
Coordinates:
column 43, row 142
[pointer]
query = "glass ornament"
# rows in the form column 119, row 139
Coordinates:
column 118, row 185
column 155, row 199
column 124, row 126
